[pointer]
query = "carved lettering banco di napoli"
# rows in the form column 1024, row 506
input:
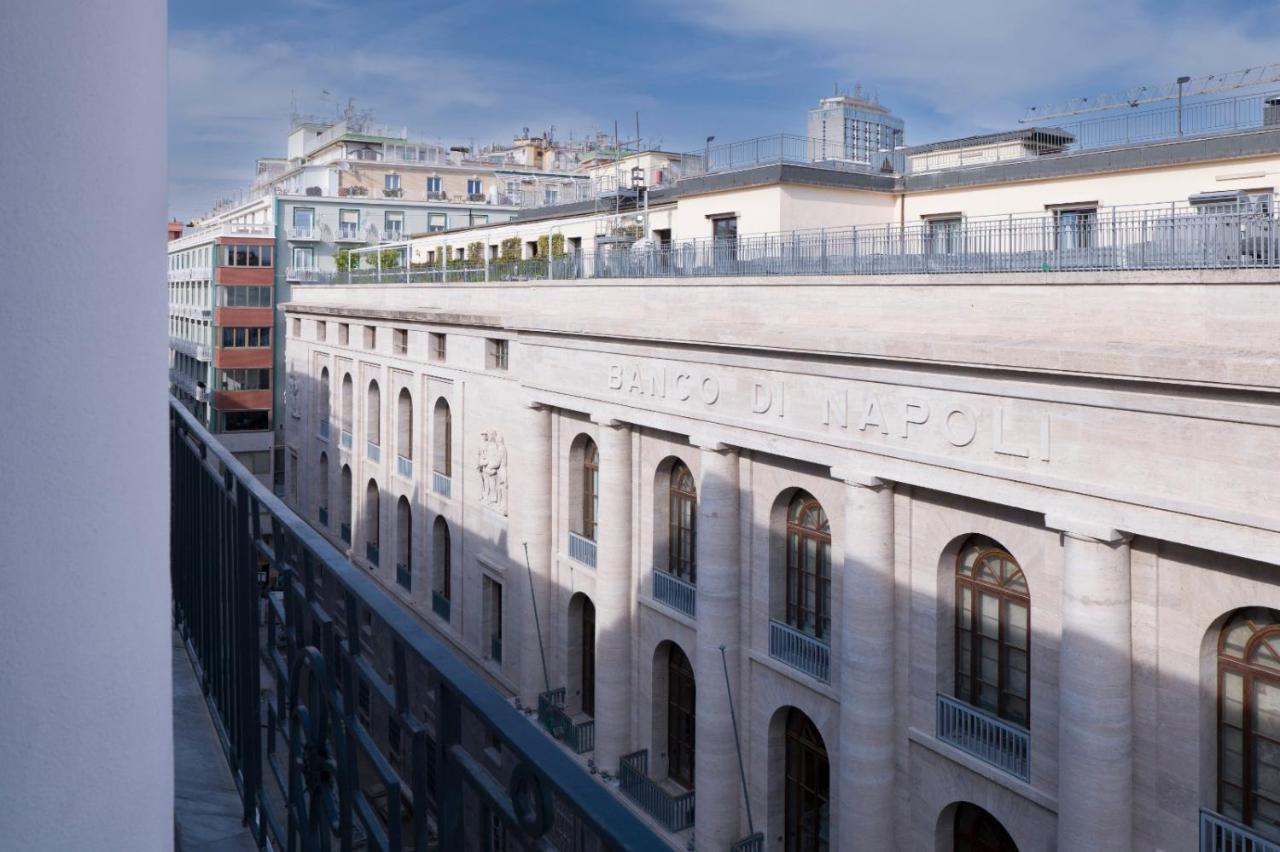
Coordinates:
column 868, row 410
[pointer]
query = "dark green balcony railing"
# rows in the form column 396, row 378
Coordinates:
column 313, row 772
column 345, row 532
column 754, row 843
column 324, row 516
column 495, row 649
column 440, row 605
column 674, row 811
column 578, row 736
column 371, row 552
column 403, row 576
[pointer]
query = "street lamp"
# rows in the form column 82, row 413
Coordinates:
column 1181, row 82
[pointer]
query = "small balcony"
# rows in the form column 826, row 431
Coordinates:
column 582, row 549
column 306, row 275
column 670, row 590
column 1220, row 834
column 349, row 234
column 673, row 810
column 373, row 451
column 344, row 439
column 800, row 650
column 580, row 737
column 404, row 467
column 441, row 484
column 440, row 604
column 324, row 430
column 437, row 195
column 344, row 531
column 404, row 576
column 371, row 552
column 495, row 649
column 392, row 235
column 323, row 514
column 754, row 843
column 199, row 351
column 1004, row 745
column 300, row 234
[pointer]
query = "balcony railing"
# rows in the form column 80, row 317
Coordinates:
column 304, row 274
column 350, row 235
column 199, row 351
column 800, row 650
column 324, row 429
column 440, row 605
column 580, row 737
column 1002, row 744
column 323, row 514
column 371, row 552
column 344, row 531
column 754, row 843
column 678, row 594
column 304, row 234
column 284, row 681
column 1219, row 834
column 404, row 467
column 373, row 451
column 403, row 576
column 674, row 812
column 582, row 549
column 495, row 649
column 441, row 484
column 344, row 439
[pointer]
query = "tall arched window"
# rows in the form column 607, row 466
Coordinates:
column 807, row 787
column 404, row 544
column 993, row 612
column 1249, row 720
column 587, row 661
column 590, row 489
column 682, row 519
column 322, row 489
column 681, row 704
column 975, row 830
column 322, row 404
column 404, row 424
column 344, row 519
column 441, row 552
column 442, row 439
column 372, row 522
column 348, row 404
column 373, row 414
column 808, row 567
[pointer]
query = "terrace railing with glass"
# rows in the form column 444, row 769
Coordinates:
column 335, row 742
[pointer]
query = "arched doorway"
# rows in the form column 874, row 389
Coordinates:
column 1249, row 720
column 975, row 830
column 806, row 788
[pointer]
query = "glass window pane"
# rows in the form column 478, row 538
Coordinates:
column 1266, row 708
column 1015, row 629
column 1232, row 699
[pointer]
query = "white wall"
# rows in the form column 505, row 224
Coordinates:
column 86, row 752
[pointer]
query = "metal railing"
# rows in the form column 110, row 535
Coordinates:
column 404, row 467
column 441, row 484
column 440, row 605
column 580, row 737
column 373, row 451
column 674, row 812
column 348, row 234
column 324, row 429
column 787, row 149
column 800, row 650
column 371, row 552
column 1003, row 744
column 1220, row 834
column 199, row 351
column 344, row 531
column 304, row 274
column 322, row 514
column 754, row 843
column 582, row 549
column 284, row 677
column 303, row 234
column 495, row 649
column 678, row 594
column 404, row 576
column 344, row 439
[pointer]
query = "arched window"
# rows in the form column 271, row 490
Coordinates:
column 404, row 544
column 682, row 519
column 978, row 831
column 993, row 611
column 681, row 703
column 372, row 522
column 590, row 489
column 442, row 439
column 373, row 414
column 344, row 519
column 807, row 787
column 441, row 552
column 404, row 424
column 1249, row 720
column 808, row 567
column 587, row 660
column 322, row 489
column 322, row 403
column 348, row 403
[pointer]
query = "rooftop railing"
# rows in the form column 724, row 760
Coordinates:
column 343, row 720
column 1149, row 237
column 787, row 149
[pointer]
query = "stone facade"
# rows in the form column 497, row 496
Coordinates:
column 1115, row 433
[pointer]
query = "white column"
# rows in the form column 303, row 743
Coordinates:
column 1095, row 695
column 613, row 591
column 864, row 621
column 529, row 514
column 717, row 778
column 86, row 748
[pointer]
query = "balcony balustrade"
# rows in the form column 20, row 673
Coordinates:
column 304, row 234
column 344, row 439
column 440, row 605
column 680, row 595
column 323, row 514
column 373, row 451
column 304, row 274
column 284, row 678
column 673, row 811
column 800, row 650
column 344, row 531
column 403, row 576
column 349, row 234
column 404, row 467
column 199, row 351
column 582, row 549
column 580, row 737
column 371, row 552
column 441, row 484
column 754, row 843
column 1220, row 834
column 324, row 429
column 1002, row 744
column 495, row 649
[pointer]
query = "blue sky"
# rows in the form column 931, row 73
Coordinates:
column 479, row 71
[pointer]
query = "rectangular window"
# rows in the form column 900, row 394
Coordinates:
column 724, row 228
column 293, row 475
column 246, row 421
column 246, row 255
column 348, row 224
column 244, row 297
column 400, row 341
column 492, row 615
column 433, row 184
column 255, row 462
column 344, row 333
column 322, row 330
column 304, row 257
column 1074, row 227
column 437, row 222
column 495, row 354
column 474, row 187
column 479, row 218
column 296, row 327
column 391, row 182
column 370, row 337
column 438, row 351
column 394, row 224
column 943, row 234
column 254, row 337
column 244, row 379
column 304, row 218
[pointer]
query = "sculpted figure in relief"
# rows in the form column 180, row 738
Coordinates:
column 491, row 462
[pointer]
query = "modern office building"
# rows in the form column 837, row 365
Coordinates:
column 945, row 499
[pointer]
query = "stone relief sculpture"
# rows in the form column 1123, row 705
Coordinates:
column 291, row 394
column 491, row 461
